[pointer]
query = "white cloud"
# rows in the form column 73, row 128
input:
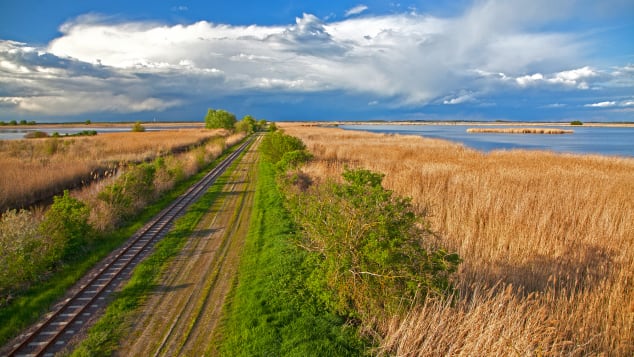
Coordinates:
column 524, row 81
column 602, row 104
column 459, row 99
column 405, row 59
column 356, row 10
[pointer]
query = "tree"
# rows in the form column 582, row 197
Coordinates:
column 219, row 119
column 247, row 124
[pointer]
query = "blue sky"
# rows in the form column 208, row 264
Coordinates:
column 310, row 60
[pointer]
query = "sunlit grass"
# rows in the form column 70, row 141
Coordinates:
column 38, row 168
column 547, row 241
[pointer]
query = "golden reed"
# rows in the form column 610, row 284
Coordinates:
column 35, row 168
column 547, row 241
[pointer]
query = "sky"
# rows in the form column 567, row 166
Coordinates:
column 517, row 60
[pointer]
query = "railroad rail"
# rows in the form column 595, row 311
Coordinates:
column 77, row 311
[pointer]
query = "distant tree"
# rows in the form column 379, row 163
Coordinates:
column 261, row 124
column 23, row 122
column 576, row 122
column 32, row 122
column 2, row 123
column 137, row 127
column 219, row 119
column 13, row 122
column 247, row 124
column 88, row 122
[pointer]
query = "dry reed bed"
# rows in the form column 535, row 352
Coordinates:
column 34, row 169
column 519, row 131
column 547, row 241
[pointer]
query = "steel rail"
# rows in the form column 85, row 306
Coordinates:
column 46, row 337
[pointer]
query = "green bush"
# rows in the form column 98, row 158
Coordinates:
column 368, row 248
column 276, row 144
column 130, row 191
column 247, row 124
column 66, row 224
column 138, row 127
column 576, row 122
column 24, row 252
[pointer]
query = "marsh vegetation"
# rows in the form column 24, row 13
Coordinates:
column 546, row 242
column 36, row 169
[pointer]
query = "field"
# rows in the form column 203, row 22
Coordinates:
column 38, row 168
column 547, row 242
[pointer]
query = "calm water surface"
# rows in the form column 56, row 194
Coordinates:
column 585, row 140
column 15, row 133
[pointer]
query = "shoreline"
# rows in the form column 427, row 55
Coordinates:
column 473, row 123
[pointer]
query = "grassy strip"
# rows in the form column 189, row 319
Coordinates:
column 103, row 337
column 270, row 312
column 38, row 299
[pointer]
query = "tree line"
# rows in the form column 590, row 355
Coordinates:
column 222, row 119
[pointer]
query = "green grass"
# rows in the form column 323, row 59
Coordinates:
column 269, row 312
column 32, row 303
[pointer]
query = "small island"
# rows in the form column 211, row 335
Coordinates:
column 519, row 131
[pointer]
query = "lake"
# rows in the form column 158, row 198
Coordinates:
column 614, row 141
column 19, row 132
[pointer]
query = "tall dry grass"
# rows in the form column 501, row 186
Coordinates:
column 547, row 241
column 34, row 169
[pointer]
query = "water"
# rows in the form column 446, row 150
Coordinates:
column 614, row 141
column 19, row 133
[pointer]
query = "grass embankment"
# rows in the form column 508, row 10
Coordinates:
column 29, row 304
column 271, row 313
column 546, row 241
column 103, row 337
column 519, row 131
column 33, row 170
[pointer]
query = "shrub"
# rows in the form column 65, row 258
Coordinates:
column 23, row 251
column 137, row 127
column 576, row 122
column 36, row 135
column 130, row 191
column 368, row 248
column 66, row 223
column 276, row 144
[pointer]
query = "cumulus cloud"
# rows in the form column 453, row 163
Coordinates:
column 396, row 60
column 356, row 10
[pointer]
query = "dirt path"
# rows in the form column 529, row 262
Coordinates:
column 181, row 316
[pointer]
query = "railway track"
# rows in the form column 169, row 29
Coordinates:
column 76, row 312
